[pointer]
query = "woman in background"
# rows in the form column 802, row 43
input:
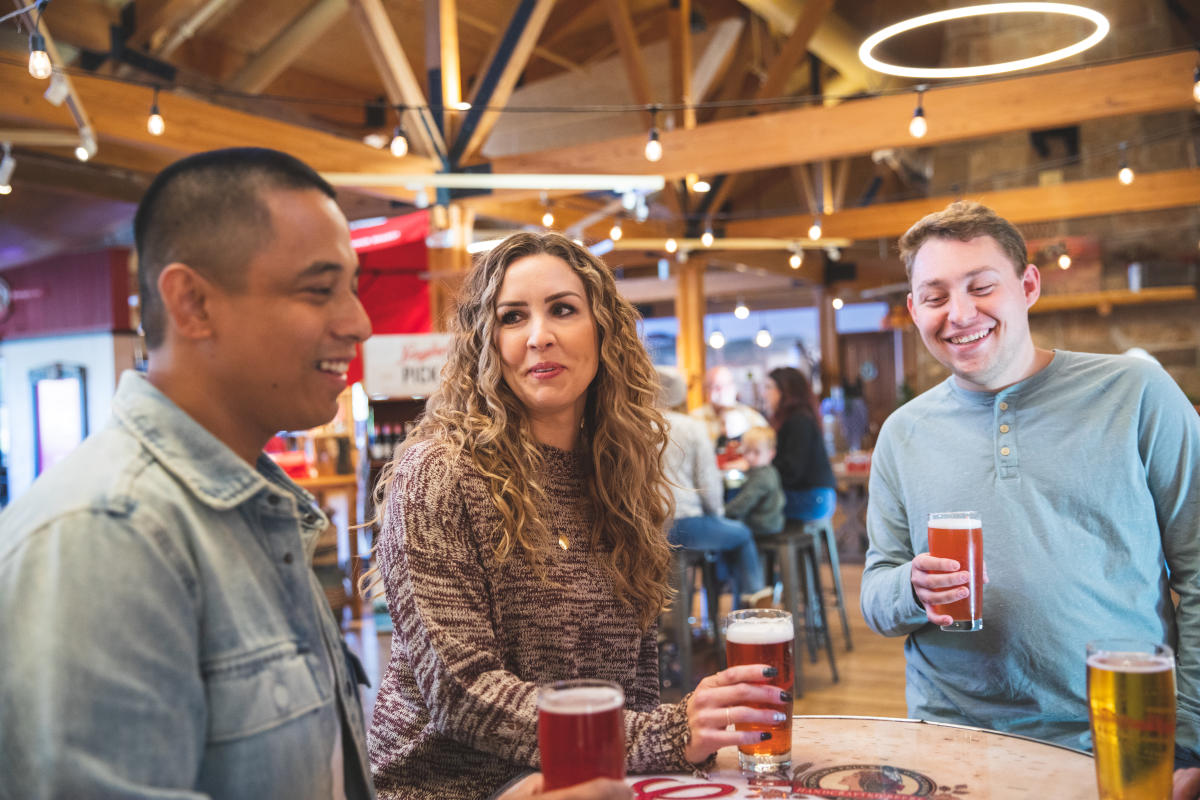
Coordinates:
column 523, row 539
column 800, row 453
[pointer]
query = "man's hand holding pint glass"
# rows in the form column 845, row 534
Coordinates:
column 949, row 579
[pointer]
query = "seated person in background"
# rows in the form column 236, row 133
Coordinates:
column 1084, row 468
column 800, row 449
column 759, row 502
column 523, row 539
column 723, row 416
column 691, row 471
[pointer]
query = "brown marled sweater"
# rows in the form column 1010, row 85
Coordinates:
column 456, row 715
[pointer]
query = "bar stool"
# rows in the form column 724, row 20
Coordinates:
column 794, row 551
column 684, row 561
column 815, row 509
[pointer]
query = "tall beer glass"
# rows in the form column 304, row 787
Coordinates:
column 1131, row 706
column 764, row 636
column 581, row 731
column 959, row 535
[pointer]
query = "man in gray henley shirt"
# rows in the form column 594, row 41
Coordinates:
column 1084, row 470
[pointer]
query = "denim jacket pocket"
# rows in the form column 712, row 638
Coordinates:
column 257, row 691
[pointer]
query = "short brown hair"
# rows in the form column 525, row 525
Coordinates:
column 759, row 434
column 965, row 220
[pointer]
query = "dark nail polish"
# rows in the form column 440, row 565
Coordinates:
column 770, row 672
column 764, row 735
column 785, row 697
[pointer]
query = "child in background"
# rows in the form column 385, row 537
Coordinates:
column 759, row 503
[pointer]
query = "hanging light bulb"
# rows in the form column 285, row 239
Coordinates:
column 837, row 303
column 8, row 165
column 5, row 188
column 763, row 337
column 87, row 145
column 154, row 123
column 39, row 59
column 1196, row 84
column 654, row 151
column 814, row 232
column 701, row 186
column 706, row 238
column 917, row 126
column 399, row 144
column 548, row 219
column 670, row 245
column 795, row 259
column 1064, row 261
column 741, row 311
column 615, row 232
column 1124, row 174
column 716, row 340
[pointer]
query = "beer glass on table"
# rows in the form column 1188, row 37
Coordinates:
column 581, row 731
column 959, row 535
column 1131, row 707
column 764, row 636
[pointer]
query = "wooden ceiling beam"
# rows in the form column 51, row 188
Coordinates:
column 530, row 211
column 119, row 116
column 1149, row 192
column 399, row 81
column 1138, row 86
column 625, row 34
column 442, row 70
column 544, row 53
column 258, row 73
column 508, row 59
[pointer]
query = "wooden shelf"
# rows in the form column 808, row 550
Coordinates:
column 328, row 482
column 1105, row 300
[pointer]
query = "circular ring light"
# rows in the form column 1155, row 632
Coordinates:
column 878, row 38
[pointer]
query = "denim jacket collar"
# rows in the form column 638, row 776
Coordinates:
column 202, row 462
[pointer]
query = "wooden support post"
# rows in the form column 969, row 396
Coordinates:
column 831, row 370
column 689, row 345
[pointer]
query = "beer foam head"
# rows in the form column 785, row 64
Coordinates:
column 581, row 700
column 760, row 630
column 956, row 524
column 1113, row 661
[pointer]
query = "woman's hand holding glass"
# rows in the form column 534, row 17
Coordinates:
column 726, row 698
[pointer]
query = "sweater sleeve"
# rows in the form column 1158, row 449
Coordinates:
column 748, row 497
column 888, row 603
column 654, row 739
column 437, row 590
column 708, row 475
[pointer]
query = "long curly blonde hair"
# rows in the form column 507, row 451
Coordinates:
column 475, row 412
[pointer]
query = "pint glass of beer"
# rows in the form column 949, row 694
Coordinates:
column 764, row 636
column 581, row 731
column 959, row 535
column 1131, row 706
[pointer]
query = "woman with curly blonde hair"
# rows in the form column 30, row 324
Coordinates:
column 523, row 538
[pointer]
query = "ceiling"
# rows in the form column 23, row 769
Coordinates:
column 574, row 79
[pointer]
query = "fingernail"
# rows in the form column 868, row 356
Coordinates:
column 780, row 716
column 785, row 697
column 764, row 735
column 770, row 672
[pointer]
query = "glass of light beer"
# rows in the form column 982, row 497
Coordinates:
column 959, row 535
column 764, row 636
column 1131, row 707
column 581, row 731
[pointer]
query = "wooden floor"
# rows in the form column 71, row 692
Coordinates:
column 871, row 675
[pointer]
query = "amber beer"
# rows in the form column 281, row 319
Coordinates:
column 764, row 636
column 959, row 535
column 581, row 731
column 1131, row 706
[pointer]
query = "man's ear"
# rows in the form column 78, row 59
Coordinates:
column 910, row 307
column 1031, row 284
column 186, row 297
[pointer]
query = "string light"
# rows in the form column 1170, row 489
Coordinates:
column 837, row 303
column 763, row 337
column 701, row 186
column 87, row 145
column 1064, row 261
column 1124, row 174
column 670, row 245
column 654, row 149
column 399, row 143
column 716, row 339
column 615, row 231
column 795, row 259
column 154, row 123
column 814, row 232
column 1196, row 84
column 7, row 165
column 39, row 59
column 741, row 311
column 917, row 126
column 706, row 238
column 548, row 219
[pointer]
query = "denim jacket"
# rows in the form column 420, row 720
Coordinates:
column 161, row 630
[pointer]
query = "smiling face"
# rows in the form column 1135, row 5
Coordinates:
column 281, row 343
column 548, row 344
column 971, row 308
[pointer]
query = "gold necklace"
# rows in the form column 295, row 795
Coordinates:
column 562, row 542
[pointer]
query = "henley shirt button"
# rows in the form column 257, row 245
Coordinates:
column 280, row 695
column 287, row 557
column 1004, row 451
column 1003, row 406
column 273, row 499
column 1004, row 429
column 310, row 518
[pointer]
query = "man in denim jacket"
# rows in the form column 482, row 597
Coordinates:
column 161, row 631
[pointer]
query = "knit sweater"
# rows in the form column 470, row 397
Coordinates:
column 456, row 715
